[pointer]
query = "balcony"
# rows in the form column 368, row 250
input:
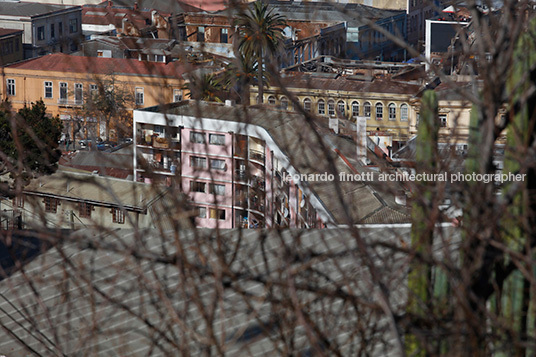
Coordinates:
column 256, row 156
column 70, row 103
column 157, row 142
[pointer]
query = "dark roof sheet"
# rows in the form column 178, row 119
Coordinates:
column 31, row 9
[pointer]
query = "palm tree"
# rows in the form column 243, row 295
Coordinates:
column 261, row 36
column 205, row 86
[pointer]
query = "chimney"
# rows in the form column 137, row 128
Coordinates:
column 110, row 3
column 136, row 5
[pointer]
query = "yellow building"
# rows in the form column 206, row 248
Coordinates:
column 65, row 82
column 388, row 105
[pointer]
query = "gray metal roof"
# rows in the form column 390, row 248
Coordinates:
column 31, row 9
column 137, row 293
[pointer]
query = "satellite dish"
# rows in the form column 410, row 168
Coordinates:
column 285, row 212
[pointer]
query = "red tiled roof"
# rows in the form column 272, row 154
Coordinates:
column 60, row 62
column 5, row 32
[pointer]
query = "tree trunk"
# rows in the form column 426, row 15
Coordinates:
column 259, row 81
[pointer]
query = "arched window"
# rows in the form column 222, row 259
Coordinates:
column 355, row 109
column 340, row 107
column 321, row 107
column 392, row 111
column 367, row 110
column 271, row 100
column 331, row 108
column 404, row 114
column 307, row 104
column 379, row 111
column 284, row 103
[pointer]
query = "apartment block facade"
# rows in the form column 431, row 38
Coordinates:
column 251, row 167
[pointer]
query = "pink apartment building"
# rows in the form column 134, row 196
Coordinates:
column 235, row 163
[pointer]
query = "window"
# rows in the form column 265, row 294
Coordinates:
column 379, row 111
column 40, row 33
column 197, row 138
column 217, row 189
column 201, row 212
column 84, row 209
column 139, row 96
column 321, row 107
column 48, row 89
column 331, row 108
column 60, row 28
column 355, row 109
column 160, row 58
column 443, row 120
column 199, row 162
column 271, row 100
column 366, row 110
column 198, row 186
column 307, row 104
column 73, row 25
column 11, row 87
column 200, row 34
column 217, row 214
column 284, row 103
column 340, row 107
column 216, row 139
column 404, row 112
column 224, row 35
column 177, row 95
column 93, row 90
column 118, row 216
column 217, row 164
column 52, row 30
column 51, row 204
column 63, row 92
column 392, row 111
column 78, row 93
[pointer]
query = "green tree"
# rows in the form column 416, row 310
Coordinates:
column 110, row 104
column 261, row 33
column 206, row 86
column 29, row 140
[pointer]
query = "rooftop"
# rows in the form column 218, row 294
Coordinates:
column 356, row 15
column 8, row 32
column 328, row 81
column 31, row 9
column 60, row 62
column 94, row 189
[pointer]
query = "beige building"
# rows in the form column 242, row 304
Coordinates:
column 65, row 83
column 387, row 104
column 76, row 200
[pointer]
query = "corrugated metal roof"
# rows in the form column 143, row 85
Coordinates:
column 128, row 293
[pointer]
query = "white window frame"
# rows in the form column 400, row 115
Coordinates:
column 271, row 100
column 404, row 112
column 139, row 96
column 215, row 139
column 341, row 107
column 177, row 95
column 195, row 137
column 392, row 113
column 307, row 105
column 355, row 108
column 283, row 103
column 198, row 162
column 321, row 106
column 218, row 164
column 78, row 93
column 331, row 108
column 63, row 92
column 379, row 111
column 11, row 87
column 49, row 90
column 443, row 120
column 367, row 110
column 216, row 189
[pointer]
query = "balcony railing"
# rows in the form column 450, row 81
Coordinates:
column 256, row 155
